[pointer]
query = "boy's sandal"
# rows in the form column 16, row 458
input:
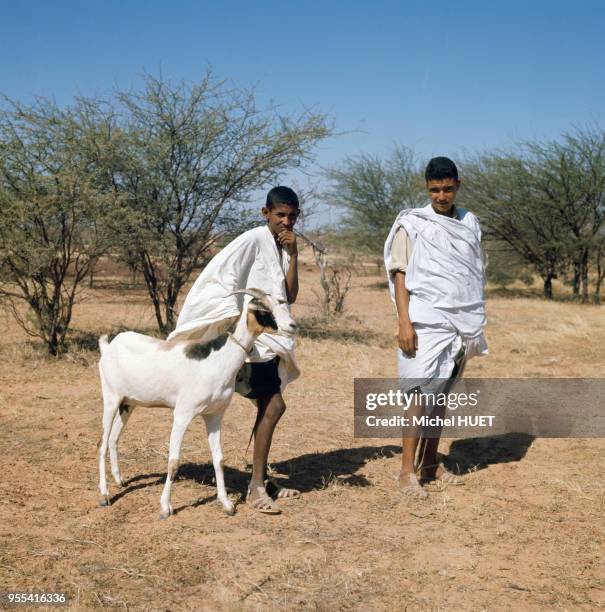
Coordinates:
column 263, row 503
column 413, row 488
column 276, row 491
column 446, row 478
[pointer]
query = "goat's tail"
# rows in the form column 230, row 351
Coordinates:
column 103, row 342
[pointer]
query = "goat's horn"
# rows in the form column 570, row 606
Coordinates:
column 257, row 294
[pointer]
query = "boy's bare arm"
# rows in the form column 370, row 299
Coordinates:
column 408, row 341
column 287, row 239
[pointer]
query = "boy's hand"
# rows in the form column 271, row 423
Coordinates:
column 287, row 238
column 408, row 341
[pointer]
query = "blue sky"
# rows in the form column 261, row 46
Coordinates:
column 441, row 77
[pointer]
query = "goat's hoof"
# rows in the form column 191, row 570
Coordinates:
column 105, row 501
column 229, row 510
column 164, row 514
column 118, row 480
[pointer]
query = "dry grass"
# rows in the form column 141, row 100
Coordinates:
column 526, row 532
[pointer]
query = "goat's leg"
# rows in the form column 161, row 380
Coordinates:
column 213, row 427
column 180, row 423
column 111, row 403
column 119, row 423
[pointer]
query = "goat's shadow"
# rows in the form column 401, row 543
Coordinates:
column 135, row 483
column 309, row 472
column 315, row 471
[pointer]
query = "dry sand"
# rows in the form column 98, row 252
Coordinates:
column 526, row 532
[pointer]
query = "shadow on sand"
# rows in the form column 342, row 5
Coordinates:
column 315, row 471
column 480, row 453
column 309, row 472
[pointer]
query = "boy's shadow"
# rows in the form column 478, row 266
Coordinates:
column 309, row 472
column 479, row 453
column 316, row 471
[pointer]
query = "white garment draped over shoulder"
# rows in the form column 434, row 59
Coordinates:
column 445, row 278
column 252, row 260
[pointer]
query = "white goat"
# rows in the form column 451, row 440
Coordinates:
column 191, row 377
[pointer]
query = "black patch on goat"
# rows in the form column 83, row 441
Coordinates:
column 265, row 318
column 200, row 350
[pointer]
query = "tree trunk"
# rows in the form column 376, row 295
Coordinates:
column 327, row 296
column 599, row 281
column 158, row 315
column 155, row 299
column 52, row 343
column 152, row 288
column 548, row 285
column 576, row 279
column 584, row 268
column 171, row 316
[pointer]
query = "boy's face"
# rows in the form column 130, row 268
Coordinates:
column 443, row 194
column 281, row 217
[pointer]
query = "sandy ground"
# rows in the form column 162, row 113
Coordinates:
column 525, row 532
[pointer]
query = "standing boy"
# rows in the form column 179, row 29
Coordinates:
column 436, row 275
column 264, row 258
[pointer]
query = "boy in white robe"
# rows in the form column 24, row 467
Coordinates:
column 264, row 258
column 436, row 274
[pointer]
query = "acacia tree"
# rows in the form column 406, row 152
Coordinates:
column 49, row 215
column 190, row 159
column 570, row 176
column 546, row 201
column 372, row 190
column 501, row 189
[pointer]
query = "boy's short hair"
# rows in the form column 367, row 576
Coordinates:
column 281, row 195
column 440, row 168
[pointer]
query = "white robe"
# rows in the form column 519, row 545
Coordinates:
column 252, row 260
column 445, row 278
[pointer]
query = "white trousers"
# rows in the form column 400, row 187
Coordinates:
column 439, row 351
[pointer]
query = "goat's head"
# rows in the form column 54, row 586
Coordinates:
column 266, row 313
